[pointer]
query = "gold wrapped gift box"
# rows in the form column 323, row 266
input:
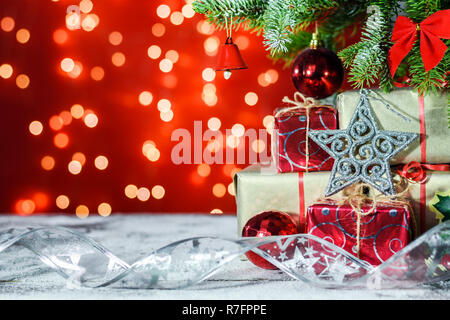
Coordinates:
column 260, row 188
column 431, row 123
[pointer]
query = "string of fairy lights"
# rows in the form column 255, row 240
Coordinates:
column 86, row 19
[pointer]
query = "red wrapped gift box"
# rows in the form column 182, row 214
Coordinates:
column 382, row 232
column 290, row 139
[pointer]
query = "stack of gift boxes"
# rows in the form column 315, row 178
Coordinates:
column 296, row 181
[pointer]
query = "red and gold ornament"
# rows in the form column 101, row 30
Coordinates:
column 317, row 72
column 266, row 224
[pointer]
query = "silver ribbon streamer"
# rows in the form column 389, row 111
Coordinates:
column 84, row 262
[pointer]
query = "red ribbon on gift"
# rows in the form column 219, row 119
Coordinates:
column 432, row 49
column 415, row 172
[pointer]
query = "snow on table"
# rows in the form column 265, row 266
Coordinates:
column 135, row 236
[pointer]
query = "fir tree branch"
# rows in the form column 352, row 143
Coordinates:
column 368, row 58
column 247, row 12
column 284, row 18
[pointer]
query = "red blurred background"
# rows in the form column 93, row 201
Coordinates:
column 125, row 58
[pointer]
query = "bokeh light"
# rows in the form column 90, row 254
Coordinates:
column 82, row 211
column 56, row 123
column 35, row 128
column 47, row 163
column 62, row 202
column 118, row 59
column 166, row 116
column 89, row 22
column 164, row 105
column 208, row 74
column 154, row 52
column 211, row 45
column 233, row 141
column 258, row 145
column 25, row 207
column 7, row 24
column 23, row 36
column 205, row 28
column 176, row 18
column 242, row 42
column 77, row 111
column 172, row 55
column 219, row 190
column 6, row 71
column 104, row 209
column 145, row 98
column 97, row 73
column 86, row 6
column 237, row 130
column 158, row 30
column 203, row 170
column 101, row 162
column 143, row 194
column 61, row 140
column 214, row 123
column 74, row 167
column 76, row 71
column 163, row 11
column 251, row 98
column 165, row 65
column 91, row 120
column 22, row 81
column 115, row 38
column 131, row 191
column 60, row 36
column 158, row 192
column 66, row 117
column 187, row 11
column 80, row 157
column 67, row 64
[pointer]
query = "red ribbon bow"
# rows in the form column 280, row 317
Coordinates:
column 432, row 49
column 416, row 171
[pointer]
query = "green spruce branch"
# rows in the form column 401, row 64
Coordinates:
column 286, row 27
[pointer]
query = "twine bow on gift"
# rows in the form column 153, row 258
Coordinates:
column 432, row 49
column 357, row 197
column 301, row 102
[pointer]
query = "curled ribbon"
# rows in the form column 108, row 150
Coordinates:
column 432, row 49
column 184, row 263
column 301, row 102
column 415, row 172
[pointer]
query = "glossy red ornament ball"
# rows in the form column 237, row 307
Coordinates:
column 317, row 72
column 265, row 224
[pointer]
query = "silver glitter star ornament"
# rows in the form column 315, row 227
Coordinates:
column 362, row 151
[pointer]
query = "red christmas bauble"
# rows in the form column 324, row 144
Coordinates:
column 317, row 72
column 265, row 224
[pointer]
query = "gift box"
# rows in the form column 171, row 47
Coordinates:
column 382, row 232
column 293, row 150
column 260, row 188
column 427, row 116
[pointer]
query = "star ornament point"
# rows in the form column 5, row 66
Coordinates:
column 362, row 151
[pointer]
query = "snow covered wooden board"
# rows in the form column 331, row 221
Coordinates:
column 134, row 236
